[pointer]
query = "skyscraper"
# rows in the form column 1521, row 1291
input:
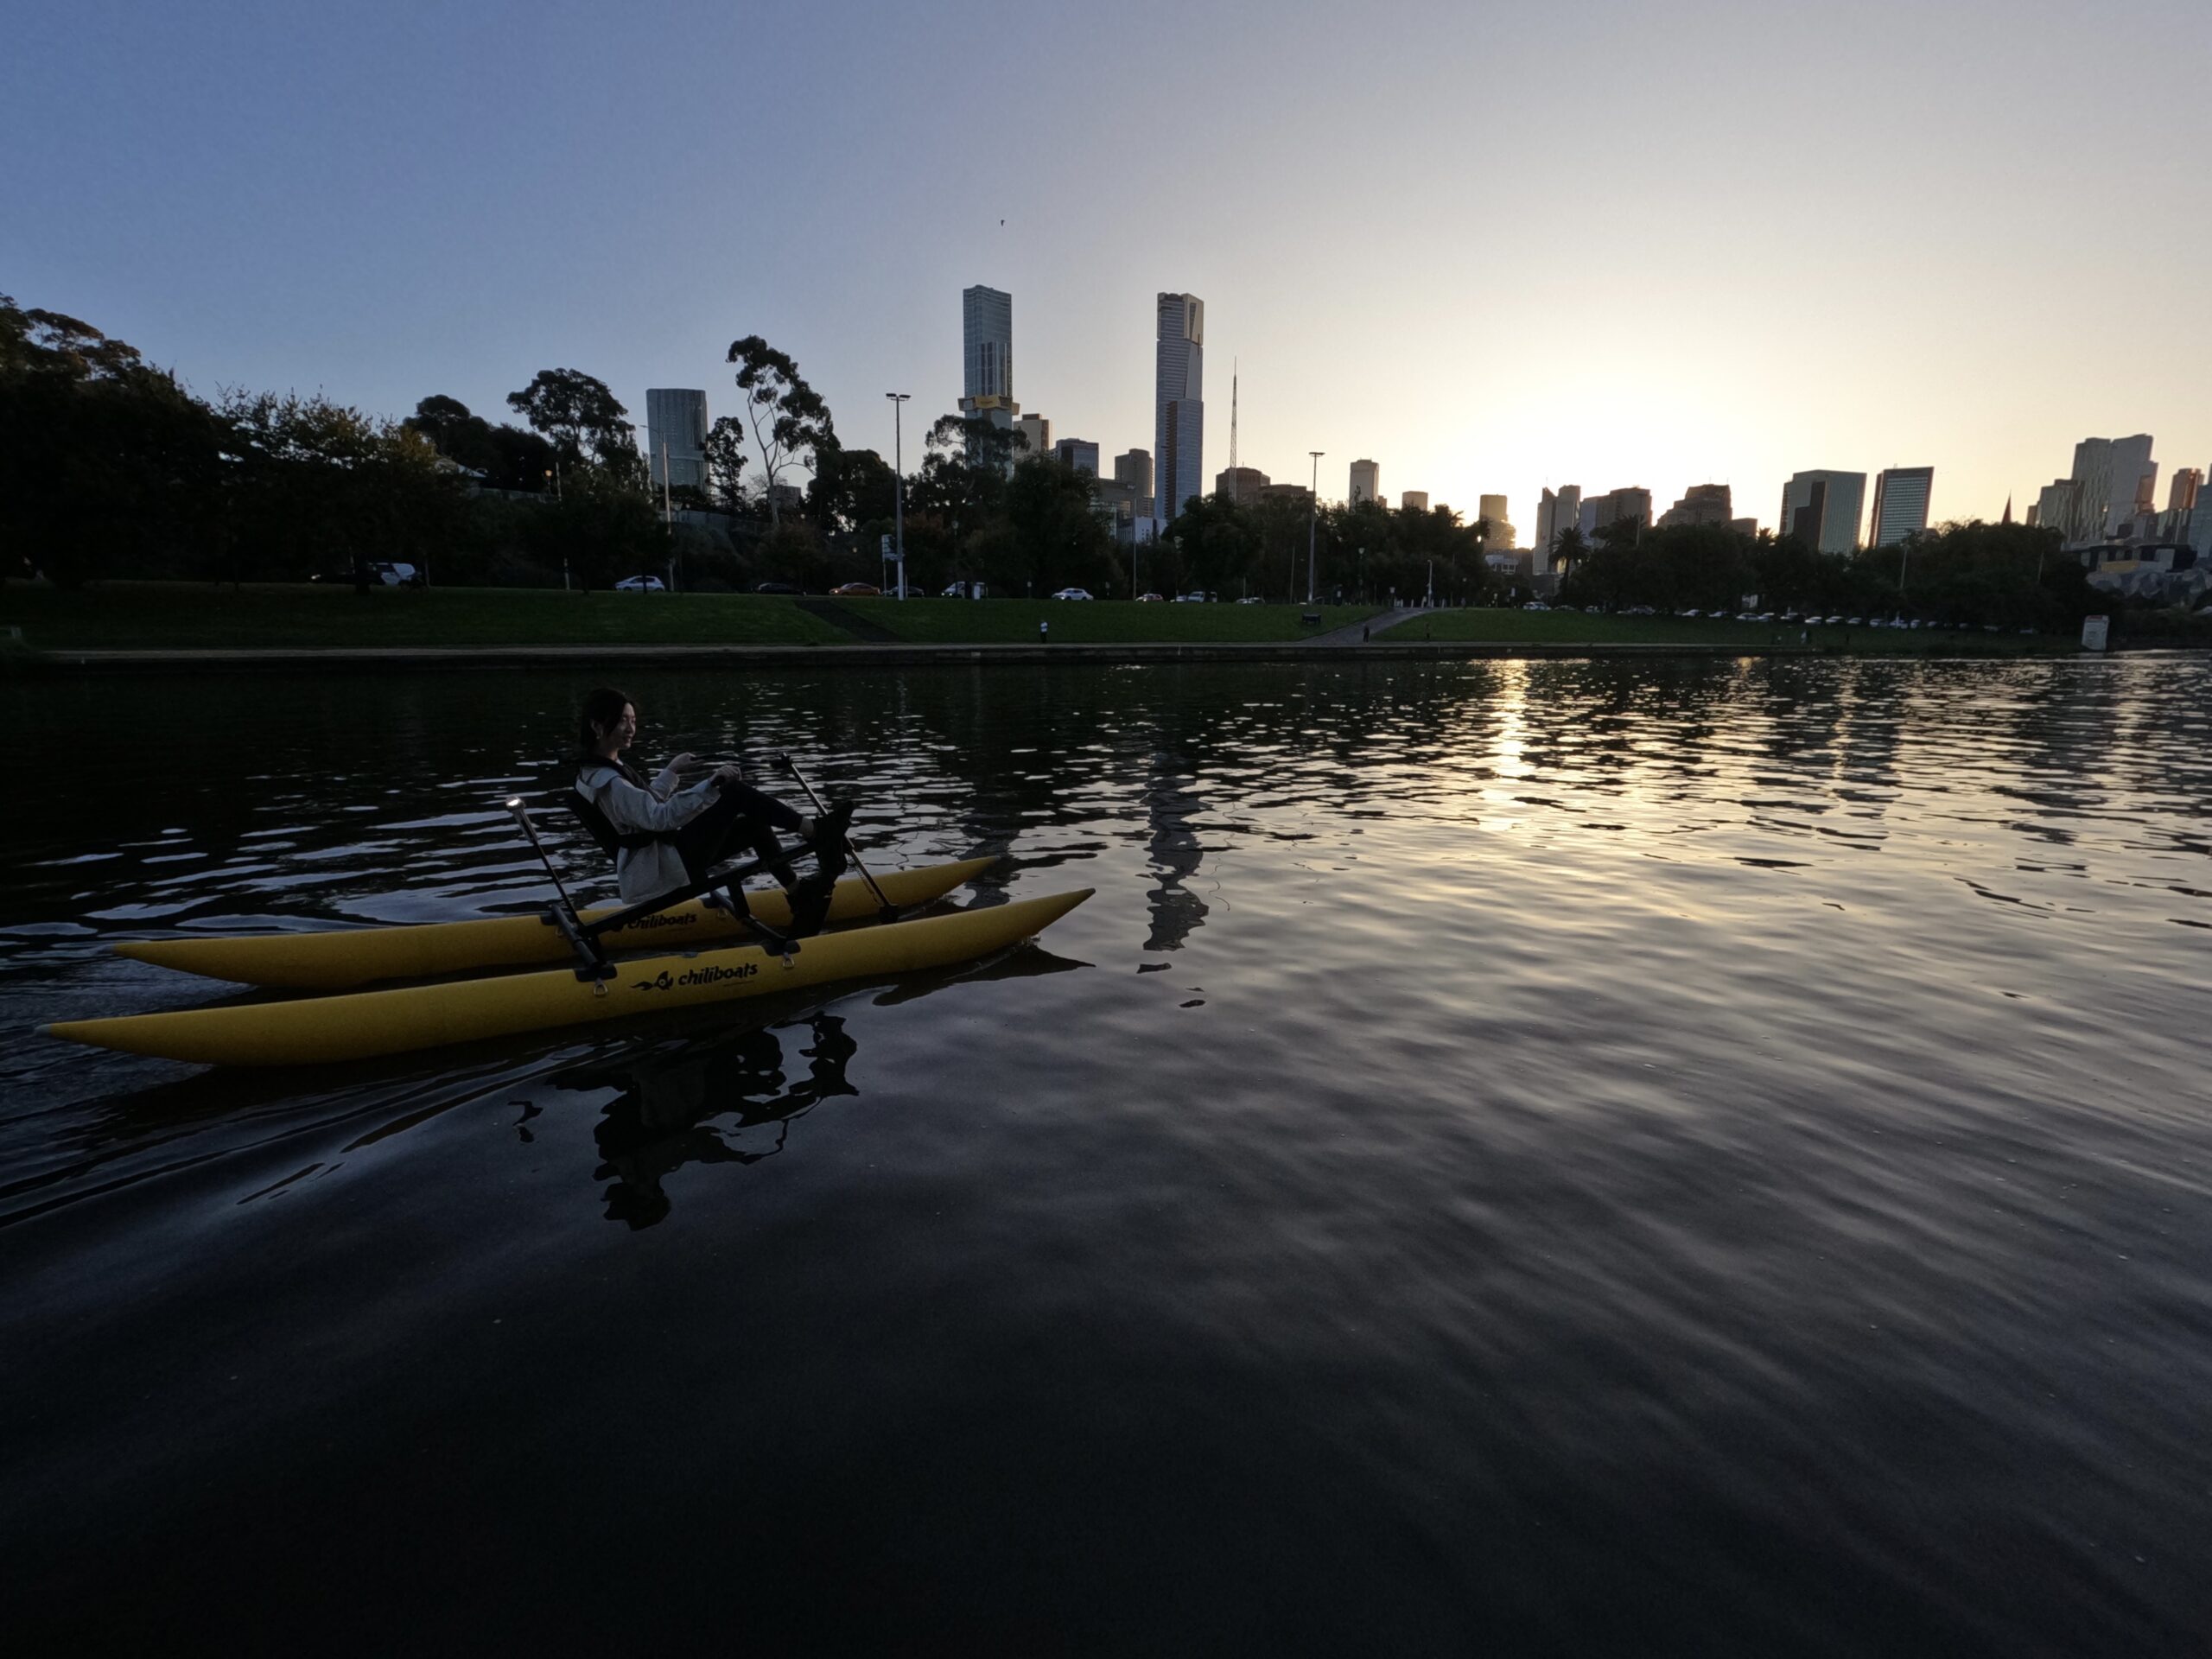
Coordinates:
column 1079, row 454
column 1700, row 504
column 1556, row 513
column 1413, row 501
column 2188, row 483
column 1822, row 509
column 2114, row 480
column 1134, row 469
column 1900, row 503
column 1492, row 511
column 676, row 436
column 2054, row 504
column 1366, row 482
column 1178, row 402
column 987, row 345
column 1039, row 432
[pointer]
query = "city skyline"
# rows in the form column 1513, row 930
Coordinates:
column 420, row 230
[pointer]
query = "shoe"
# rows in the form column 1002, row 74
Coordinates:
column 810, row 905
column 832, row 826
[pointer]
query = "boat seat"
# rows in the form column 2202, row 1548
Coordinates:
column 596, row 823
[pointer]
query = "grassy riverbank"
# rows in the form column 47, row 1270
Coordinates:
column 183, row 616
column 1571, row 627
column 1094, row 622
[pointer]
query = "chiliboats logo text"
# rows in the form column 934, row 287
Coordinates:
column 707, row 974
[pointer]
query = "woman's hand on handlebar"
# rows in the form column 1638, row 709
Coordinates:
column 729, row 773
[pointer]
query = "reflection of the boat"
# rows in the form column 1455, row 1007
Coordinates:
column 681, row 1102
column 688, row 1099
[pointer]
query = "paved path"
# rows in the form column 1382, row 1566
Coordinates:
column 1358, row 632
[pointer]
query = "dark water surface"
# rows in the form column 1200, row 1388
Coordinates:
column 1526, row 1158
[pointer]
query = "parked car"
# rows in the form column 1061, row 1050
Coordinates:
column 857, row 590
column 1251, row 599
column 393, row 574
column 963, row 590
column 1151, row 599
column 1073, row 592
column 641, row 585
column 1190, row 599
column 778, row 587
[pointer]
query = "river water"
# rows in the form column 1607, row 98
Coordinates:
column 1516, row 1157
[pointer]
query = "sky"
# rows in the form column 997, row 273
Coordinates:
column 1491, row 247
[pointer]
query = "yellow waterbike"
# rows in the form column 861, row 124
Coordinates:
column 595, row 977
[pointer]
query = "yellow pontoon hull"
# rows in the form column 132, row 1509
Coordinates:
column 318, row 1030
column 331, row 961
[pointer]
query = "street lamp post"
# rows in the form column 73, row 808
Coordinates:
column 1312, row 514
column 667, row 515
column 899, row 483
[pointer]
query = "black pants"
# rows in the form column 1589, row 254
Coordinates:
column 738, row 820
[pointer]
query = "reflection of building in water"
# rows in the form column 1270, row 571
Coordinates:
column 660, row 1119
column 1170, row 804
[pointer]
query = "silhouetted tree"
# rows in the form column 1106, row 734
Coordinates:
column 580, row 415
column 790, row 423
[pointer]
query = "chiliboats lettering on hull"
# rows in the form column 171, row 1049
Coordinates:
column 712, row 974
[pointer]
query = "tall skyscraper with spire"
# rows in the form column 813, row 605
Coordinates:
column 1178, row 403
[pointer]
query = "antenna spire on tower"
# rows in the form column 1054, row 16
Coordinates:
column 1232, row 414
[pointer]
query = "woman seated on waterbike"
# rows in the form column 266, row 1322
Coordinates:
column 667, row 837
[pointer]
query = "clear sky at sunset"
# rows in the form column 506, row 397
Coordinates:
column 1490, row 246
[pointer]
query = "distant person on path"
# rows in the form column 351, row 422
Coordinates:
column 669, row 837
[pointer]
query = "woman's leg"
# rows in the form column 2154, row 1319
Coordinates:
column 735, row 820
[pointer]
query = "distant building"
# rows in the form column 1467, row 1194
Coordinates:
column 1079, row 454
column 1901, row 495
column 787, row 497
column 1414, row 501
column 1120, row 506
column 1745, row 527
column 1134, row 469
column 987, row 356
column 1700, row 504
column 2113, row 481
column 1493, row 512
column 987, row 345
column 1178, row 402
column 2158, row 573
column 1037, row 432
column 1240, row 483
column 2054, row 504
column 1556, row 513
column 676, row 436
column 1366, row 482
column 1298, row 494
column 1822, row 509
column 2188, row 483
column 1632, row 504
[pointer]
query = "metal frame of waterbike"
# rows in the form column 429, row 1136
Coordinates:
column 583, row 936
column 886, row 911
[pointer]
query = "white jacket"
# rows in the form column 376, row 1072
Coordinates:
column 646, row 872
